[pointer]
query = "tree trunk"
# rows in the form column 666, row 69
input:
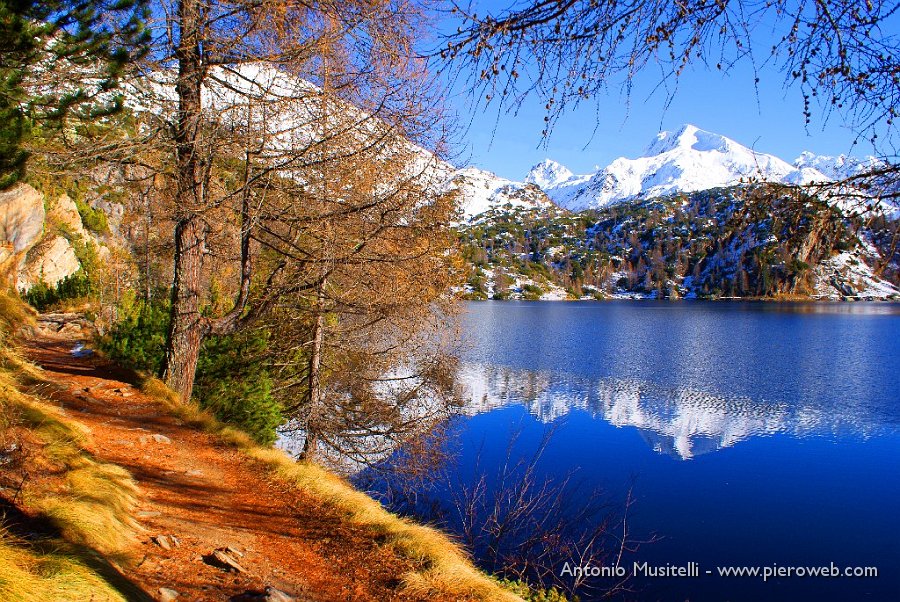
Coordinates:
column 187, row 327
column 315, row 383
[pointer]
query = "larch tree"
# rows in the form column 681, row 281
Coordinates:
column 361, row 235
column 245, row 90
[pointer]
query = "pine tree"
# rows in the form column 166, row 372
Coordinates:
column 39, row 40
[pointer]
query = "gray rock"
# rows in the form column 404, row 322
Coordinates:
column 162, row 541
column 145, row 439
column 71, row 330
column 222, row 559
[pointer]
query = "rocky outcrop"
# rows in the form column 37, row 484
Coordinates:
column 21, row 226
column 50, row 261
column 34, row 243
column 65, row 324
column 21, row 217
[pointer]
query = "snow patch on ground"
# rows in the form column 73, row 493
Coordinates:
column 847, row 276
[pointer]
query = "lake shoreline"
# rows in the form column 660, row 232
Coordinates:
column 810, row 300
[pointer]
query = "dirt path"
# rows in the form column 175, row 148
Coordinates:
column 210, row 496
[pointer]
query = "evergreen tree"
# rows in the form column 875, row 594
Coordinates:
column 49, row 47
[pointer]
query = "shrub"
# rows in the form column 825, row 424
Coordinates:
column 232, row 378
column 75, row 286
column 233, row 382
column 93, row 219
column 138, row 339
column 531, row 292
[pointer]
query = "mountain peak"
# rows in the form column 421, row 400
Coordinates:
column 547, row 174
column 687, row 137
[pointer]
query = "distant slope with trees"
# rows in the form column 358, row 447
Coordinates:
column 765, row 241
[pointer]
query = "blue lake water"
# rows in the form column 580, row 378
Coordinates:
column 750, row 434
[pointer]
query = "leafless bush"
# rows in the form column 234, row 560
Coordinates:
column 517, row 520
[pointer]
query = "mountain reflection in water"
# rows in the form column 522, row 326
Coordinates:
column 680, row 422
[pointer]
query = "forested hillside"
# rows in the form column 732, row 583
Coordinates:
column 762, row 241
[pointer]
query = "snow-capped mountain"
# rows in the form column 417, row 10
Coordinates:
column 687, row 160
column 482, row 190
column 836, row 168
column 547, row 174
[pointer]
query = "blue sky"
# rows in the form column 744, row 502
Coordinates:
column 768, row 118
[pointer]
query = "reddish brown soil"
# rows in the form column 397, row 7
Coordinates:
column 209, row 496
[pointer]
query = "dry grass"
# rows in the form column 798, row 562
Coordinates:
column 447, row 571
column 14, row 314
column 30, row 575
column 88, row 503
column 93, row 509
column 93, row 504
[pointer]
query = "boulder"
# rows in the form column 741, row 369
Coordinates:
column 21, row 217
column 145, row 439
column 51, row 261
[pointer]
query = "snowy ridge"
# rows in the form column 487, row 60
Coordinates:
column 836, row 168
column 482, row 191
column 258, row 96
column 547, row 174
column 687, row 160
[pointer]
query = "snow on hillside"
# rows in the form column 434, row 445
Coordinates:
column 482, row 191
column 835, row 168
column 547, row 174
column 688, row 160
column 289, row 107
column 282, row 116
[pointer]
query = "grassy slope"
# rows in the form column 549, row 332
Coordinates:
column 83, row 510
